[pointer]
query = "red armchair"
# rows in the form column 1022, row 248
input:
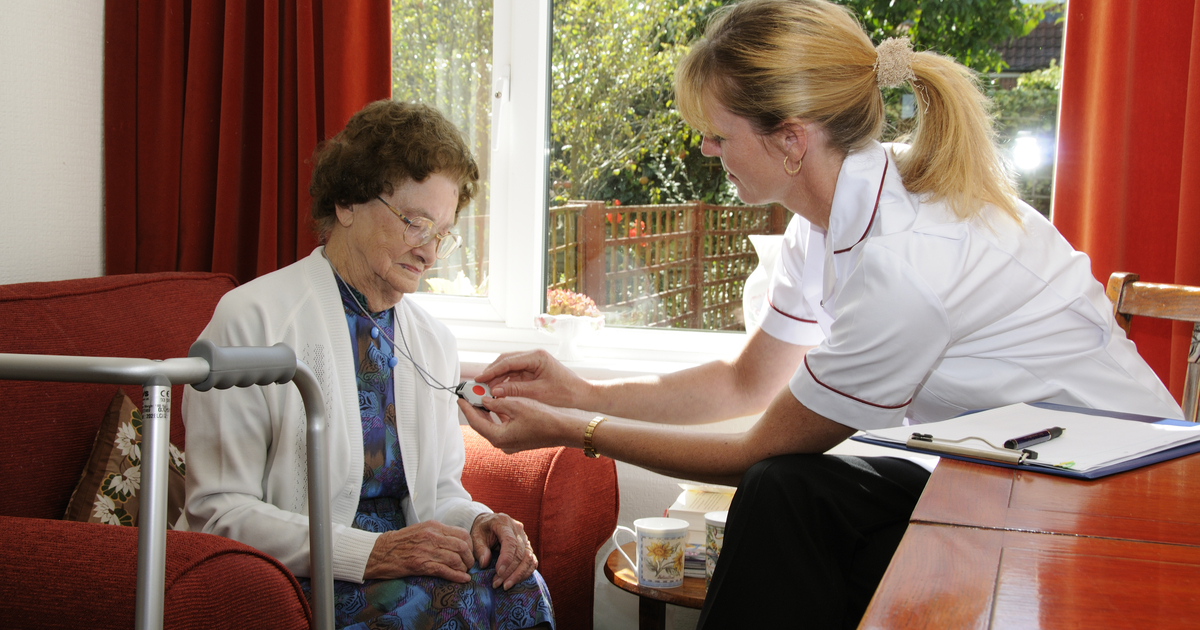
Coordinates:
column 56, row 573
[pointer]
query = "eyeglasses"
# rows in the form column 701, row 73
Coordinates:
column 419, row 231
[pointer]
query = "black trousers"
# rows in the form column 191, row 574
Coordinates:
column 808, row 539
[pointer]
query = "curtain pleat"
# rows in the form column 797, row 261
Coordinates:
column 120, row 137
column 1127, row 152
column 198, row 209
column 212, row 112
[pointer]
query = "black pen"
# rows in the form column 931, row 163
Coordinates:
column 1046, row 435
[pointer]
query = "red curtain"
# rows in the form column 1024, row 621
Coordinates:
column 1127, row 184
column 212, row 110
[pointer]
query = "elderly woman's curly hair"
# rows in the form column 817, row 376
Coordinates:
column 383, row 145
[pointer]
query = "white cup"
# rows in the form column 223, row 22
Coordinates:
column 660, row 543
column 714, row 536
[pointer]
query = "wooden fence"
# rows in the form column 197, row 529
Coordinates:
column 680, row 266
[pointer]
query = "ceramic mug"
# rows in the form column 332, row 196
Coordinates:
column 660, row 543
column 714, row 536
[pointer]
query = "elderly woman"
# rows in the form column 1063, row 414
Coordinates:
column 410, row 547
column 913, row 286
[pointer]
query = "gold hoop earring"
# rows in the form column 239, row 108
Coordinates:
column 789, row 171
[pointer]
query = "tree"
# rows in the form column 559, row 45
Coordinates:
column 616, row 134
column 968, row 30
column 614, row 124
column 442, row 56
column 1031, row 109
column 1030, row 106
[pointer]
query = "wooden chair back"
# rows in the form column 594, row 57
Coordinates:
column 1167, row 301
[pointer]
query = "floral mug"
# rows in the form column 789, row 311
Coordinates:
column 660, row 543
column 714, row 538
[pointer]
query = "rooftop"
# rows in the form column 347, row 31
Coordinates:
column 1037, row 49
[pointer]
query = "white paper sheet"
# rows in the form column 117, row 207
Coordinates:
column 1088, row 441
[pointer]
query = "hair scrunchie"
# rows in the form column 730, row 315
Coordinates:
column 893, row 62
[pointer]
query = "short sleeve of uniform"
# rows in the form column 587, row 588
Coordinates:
column 786, row 316
column 888, row 334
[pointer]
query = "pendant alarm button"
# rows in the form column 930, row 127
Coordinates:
column 473, row 392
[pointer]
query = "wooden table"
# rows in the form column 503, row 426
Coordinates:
column 990, row 547
column 652, row 602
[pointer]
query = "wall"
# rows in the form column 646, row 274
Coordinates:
column 51, row 128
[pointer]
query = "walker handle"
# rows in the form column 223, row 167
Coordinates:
column 243, row 367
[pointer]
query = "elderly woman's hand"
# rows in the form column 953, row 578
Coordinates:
column 535, row 375
column 516, row 560
column 428, row 548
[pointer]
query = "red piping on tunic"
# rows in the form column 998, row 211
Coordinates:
column 799, row 319
column 875, row 211
column 841, row 393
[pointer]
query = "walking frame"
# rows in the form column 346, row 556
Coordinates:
column 206, row 366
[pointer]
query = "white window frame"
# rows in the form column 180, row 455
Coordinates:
column 503, row 321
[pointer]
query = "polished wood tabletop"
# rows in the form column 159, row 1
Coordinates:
column 945, row 576
column 652, row 602
column 1157, row 503
column 995, row 548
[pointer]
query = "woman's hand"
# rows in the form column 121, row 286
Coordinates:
column 428, row 548
column 516, row 560
column 535, row 375
column 524, row 424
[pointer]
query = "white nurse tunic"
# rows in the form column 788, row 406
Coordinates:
column 919, row 315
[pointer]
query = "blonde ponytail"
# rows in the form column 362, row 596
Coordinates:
column 954, row 156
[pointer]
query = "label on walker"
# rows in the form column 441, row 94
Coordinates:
column 156, row 409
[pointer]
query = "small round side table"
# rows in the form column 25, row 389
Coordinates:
column 652, row 602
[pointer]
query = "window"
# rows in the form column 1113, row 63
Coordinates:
column 531, row 169
column 513, row 235
column 442, row 56
column 640, row 221
column 1026, row 95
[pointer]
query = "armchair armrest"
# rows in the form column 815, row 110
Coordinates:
column 568, row 504
column 84, row 575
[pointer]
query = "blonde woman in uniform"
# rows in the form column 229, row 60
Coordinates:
column 913, row 286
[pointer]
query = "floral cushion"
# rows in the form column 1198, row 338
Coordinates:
column 107, row 491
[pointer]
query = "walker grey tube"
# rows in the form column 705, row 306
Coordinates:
column 152, row 520
column 320, row 519
column 239, row 368
column 156, row 378
column 116, row 370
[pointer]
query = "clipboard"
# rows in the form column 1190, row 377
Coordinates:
column 999, row 458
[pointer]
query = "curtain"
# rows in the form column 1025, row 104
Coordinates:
column 1127, row 183
column 212, row 110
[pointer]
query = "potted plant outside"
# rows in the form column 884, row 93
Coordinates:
column 568, row 316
